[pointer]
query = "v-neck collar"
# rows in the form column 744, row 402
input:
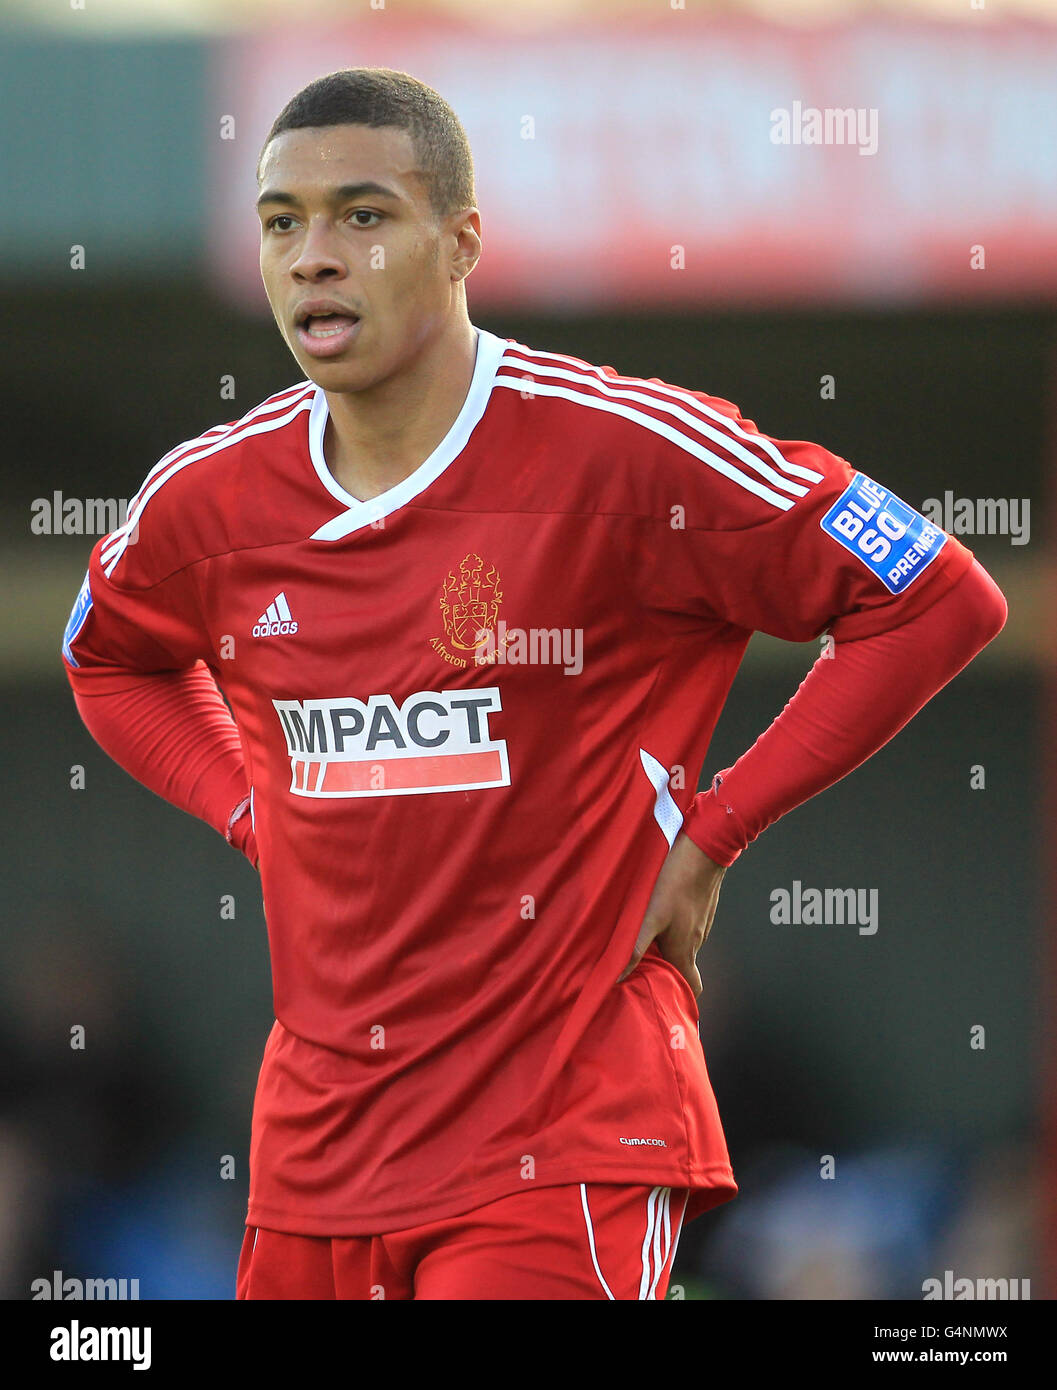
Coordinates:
column 357, row 513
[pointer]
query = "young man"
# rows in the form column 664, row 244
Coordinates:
column 472, row 604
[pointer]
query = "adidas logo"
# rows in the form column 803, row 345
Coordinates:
column 275, row 621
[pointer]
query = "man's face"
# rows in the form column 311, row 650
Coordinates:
column 347, row 226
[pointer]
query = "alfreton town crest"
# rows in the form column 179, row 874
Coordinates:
column 469, row 607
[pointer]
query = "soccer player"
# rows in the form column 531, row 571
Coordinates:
column 472, row 605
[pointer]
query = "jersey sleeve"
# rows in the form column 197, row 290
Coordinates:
column 138, row 610
column 785, row 537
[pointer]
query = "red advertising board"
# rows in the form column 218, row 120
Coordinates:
column 690, row 161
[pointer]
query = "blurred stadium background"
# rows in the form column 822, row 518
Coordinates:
column 131, row 131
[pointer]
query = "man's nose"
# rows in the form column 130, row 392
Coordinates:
column 320, row 253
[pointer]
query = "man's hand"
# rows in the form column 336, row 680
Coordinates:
column 680, row 910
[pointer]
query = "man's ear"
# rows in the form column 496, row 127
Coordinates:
column 466, row 229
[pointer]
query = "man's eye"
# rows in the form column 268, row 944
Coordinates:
column 273, row 222
column 365, row 213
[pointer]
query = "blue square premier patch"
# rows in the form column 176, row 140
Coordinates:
column 81, row 607
column 890, row 538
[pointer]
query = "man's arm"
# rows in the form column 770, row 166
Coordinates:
column 846, row 708
column 173, row 732
column 137, row 653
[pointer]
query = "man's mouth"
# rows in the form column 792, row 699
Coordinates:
column 328, row 333
column 328, row 325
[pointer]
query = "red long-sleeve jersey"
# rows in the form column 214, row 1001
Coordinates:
column 473, row 712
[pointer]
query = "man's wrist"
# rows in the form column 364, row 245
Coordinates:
column 239, row 832
column 713, row 825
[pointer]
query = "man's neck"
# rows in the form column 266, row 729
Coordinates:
column 374, row 439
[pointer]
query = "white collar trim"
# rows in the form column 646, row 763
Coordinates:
column 357, row 513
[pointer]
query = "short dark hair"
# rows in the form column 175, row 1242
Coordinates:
column 384, row 97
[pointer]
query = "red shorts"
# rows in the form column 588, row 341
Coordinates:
column 594, row 1240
